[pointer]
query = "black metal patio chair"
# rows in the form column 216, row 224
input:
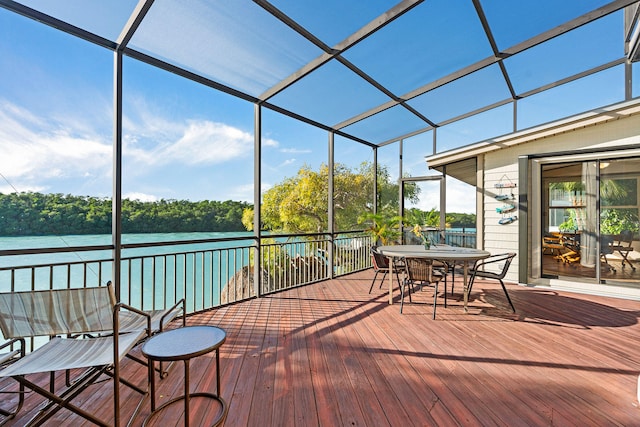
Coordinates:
column 479, row 271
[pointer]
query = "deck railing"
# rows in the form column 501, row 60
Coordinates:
column 215, row 272
column 298, row 261
column 207, row 273
column 465, row 238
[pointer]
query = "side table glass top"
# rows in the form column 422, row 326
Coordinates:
column 184, row 343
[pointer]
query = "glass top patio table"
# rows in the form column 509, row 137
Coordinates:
column 439, row 252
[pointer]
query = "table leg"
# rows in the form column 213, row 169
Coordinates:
column 186, row 393
column 152, row 383
column 390, row 280
column 465, row 284
column 218, row 372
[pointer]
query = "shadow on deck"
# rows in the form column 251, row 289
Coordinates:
column 332, row 354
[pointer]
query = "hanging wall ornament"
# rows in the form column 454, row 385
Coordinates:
column 505, row 194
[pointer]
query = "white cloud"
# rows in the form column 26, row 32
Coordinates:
column 207, row 142
column 288, row 162
column 461, row 197
column 34, row 151
column 153, row 138
column 8, row 189
column 268, row 142
column 144, row 122
column 140, row 197
column 295, row 151
column 241, row 192
column 37, row 151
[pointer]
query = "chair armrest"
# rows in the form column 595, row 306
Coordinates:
column 491, row 259
column 169, row 311
column 116, row 317
column 441, row 265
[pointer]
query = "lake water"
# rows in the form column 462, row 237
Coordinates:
column 205, row 275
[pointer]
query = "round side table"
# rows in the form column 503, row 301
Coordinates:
column 184, row 344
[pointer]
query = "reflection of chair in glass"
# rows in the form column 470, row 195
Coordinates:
column 552, row 245
column 606, row 248
column 381, row 265
column 478, row 271
column 623, row 245
column 571, row 245
column 420, row 271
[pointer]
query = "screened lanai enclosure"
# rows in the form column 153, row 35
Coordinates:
column 173, row 146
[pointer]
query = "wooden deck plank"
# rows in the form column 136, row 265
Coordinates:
column 408, row 397
column 359, row 366
column 326, row 398
column 444, row 368
column 281, row 380
column 347, row 405
column 248, row 364
column 333, row 354
column 304, row 403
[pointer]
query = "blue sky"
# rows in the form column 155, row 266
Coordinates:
column 185, row 141
column 181, row 140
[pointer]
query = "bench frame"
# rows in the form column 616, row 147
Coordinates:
column 78, row 316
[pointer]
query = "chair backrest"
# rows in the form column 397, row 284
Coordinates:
column 606, row 241
column 56, row 312
column 626, row 236
column 420, row 270
column 508, row 258
column 379, row 261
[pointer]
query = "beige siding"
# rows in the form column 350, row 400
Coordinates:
column 500, row 238
column 502, row 165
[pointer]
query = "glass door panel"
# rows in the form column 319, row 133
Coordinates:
column 619, row 193
column 569, row 237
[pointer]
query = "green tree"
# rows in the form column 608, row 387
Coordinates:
column 28, row 214
column 299, row 204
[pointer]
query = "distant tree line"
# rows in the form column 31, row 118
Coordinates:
column 34, row 214
column 461, row 220
column 431, row 218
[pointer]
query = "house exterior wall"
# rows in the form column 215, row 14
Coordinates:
column 502, row 166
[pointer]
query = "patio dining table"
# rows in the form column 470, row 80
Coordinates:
column 440, row 252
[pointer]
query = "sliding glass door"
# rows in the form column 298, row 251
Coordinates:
column 589, row 220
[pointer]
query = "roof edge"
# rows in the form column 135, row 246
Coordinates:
column 589, row 118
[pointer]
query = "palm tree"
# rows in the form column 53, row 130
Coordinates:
column 382, row 228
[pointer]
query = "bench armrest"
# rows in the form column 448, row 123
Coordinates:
column 116, row 318
column 169, row 311
column 8, row 358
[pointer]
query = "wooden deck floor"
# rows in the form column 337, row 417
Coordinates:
column 330, row 354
